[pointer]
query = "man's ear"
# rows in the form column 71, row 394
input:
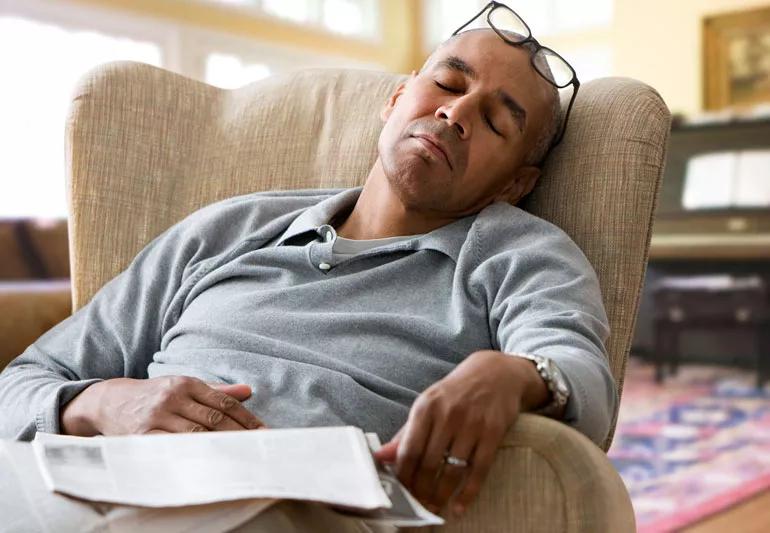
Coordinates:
column 521, row 185
column 391, row 103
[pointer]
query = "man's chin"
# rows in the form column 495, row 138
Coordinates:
column 419, row 190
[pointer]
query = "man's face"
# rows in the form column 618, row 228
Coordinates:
column 457, row 134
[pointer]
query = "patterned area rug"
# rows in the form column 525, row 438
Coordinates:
column 694, row 446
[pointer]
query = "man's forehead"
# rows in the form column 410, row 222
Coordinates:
column 485, row 47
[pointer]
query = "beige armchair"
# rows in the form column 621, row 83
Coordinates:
column 145, row 147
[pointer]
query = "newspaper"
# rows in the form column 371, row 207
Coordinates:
column 405, row 510
column 27, row 505
column 328, row 465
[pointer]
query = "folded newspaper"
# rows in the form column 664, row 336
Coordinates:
column 27, row 504
column 328, row 465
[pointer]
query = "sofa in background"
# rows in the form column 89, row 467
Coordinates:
column 35, row 289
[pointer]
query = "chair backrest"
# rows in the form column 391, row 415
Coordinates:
column 145, row 147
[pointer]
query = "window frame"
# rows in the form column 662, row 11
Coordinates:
column 199, row 42
column 373, row 33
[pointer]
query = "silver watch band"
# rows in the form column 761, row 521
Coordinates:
column 554, row 381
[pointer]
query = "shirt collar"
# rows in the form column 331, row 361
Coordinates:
column 321, row 213
column 447, row 239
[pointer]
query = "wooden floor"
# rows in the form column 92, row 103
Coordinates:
column 750, row 516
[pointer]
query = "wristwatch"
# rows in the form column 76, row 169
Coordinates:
column 553, row 379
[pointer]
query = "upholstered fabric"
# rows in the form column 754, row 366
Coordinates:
column 548, row 478
column 145, row 147
column 600, row 185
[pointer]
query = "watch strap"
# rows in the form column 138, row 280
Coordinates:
column 549, row 372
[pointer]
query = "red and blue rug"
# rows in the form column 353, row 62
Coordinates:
column 693, row 446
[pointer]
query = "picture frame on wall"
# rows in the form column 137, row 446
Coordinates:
column 736, row 59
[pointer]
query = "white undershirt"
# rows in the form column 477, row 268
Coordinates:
column 344, row 248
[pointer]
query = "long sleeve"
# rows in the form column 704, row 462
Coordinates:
column 117, row 333
column 544, row 298
column 114, row 335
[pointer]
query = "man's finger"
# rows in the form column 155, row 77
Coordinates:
column 452, row 476
column 479, row 468
column 412, row 444
column 211, row 419
column 388, row 452
column 432, row 461
column 239, row 391
column 220, row 401
column 173, row 423
column 228, row 424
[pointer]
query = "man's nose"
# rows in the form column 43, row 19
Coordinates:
column 457, row 116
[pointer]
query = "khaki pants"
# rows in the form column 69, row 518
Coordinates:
column 295, row 517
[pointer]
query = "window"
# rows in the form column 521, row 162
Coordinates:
column 347, row 17
column 544, row 17
column 551, row 19
column 590, row 62
column 355, row 18
column 548, row 17
column 442, row 17
column 34, row 112
column 230, row 62
column 54, row 44
column 229, row 71
column 294, row 10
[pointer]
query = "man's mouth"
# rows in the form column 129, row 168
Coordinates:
column 435, row 146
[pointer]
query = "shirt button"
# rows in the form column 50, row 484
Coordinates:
column 324, row 266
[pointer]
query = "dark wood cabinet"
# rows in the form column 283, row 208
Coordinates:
column 734, row 241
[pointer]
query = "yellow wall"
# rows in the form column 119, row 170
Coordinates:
column 659, row 42
column 396, row 51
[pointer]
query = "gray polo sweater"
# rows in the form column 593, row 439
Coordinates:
column 245, row 291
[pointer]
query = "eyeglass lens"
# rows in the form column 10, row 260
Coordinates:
column 514, row 29
column 548, row 63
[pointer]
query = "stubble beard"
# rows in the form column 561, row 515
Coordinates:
column 412, row 180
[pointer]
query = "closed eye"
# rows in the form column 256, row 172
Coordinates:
column 448, row 89
column 492, row 126
column 459, row 91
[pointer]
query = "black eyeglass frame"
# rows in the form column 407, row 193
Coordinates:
column 575, row 82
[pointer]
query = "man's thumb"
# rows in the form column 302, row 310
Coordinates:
column 239, row 391
column 387, row 453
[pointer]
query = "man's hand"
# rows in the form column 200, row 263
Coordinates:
column 465, row 415
column 172, row 404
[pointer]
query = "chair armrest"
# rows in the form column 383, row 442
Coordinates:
column 29, row 309
column 548, row 478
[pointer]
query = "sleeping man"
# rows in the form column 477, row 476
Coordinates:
column 423, row 306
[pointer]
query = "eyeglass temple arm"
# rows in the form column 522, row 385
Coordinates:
column 576, row 87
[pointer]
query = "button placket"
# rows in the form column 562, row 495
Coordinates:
column 320, row 256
